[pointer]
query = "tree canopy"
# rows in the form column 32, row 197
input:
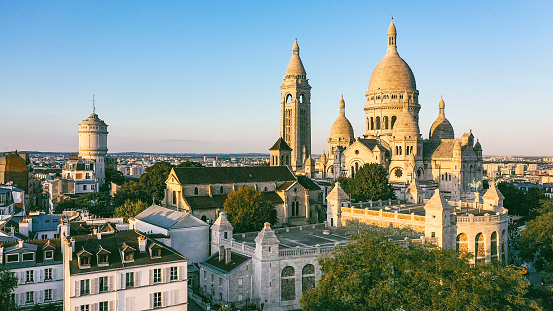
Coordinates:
column 247, row 210
column 374, row 273
column 370, row 183
column 520, row 202
column 536, row 241
column 8, row 282
column 130, row 209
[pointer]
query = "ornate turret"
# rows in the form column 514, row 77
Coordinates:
column 441, row 128
column 266, row 243
column 341, row 133
column 437, row 218
column 334, row 202
column 221, row 229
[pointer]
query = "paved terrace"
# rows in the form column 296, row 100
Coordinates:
column 303, row 237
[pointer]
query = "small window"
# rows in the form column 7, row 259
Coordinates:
column 12, row 258
column 433, row 234
column 129, row 256
column 48, row 274
column 29, row 276
column 240, row 282
column 221, row 189
column 30, row 297
column 196, row 191
column 85, row 308
column 84, row 187
column 85, row 287
column 173, row 274
column 157, row 276
column 129, row 279
column 28, row 256
column 103, row 284
column 103, row 306
column 48, row 294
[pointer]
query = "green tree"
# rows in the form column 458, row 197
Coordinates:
column 515, row 199
column 371, row 183
column 153, row 180
column 190, row 164
column 345, row 182
column 97, row 203
column 130, row 209
column 65, row 205
column 374, row 273
column 247, row 210
column 112, row 175
column 536, row 241
column 8, row 282
column 132, row 191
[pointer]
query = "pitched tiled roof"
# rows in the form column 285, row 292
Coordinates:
column 438, row 149
column 308, row 183
column 226, row 175
column 280, row 144
column 217, row 201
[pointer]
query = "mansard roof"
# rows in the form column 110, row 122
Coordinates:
column 229, row 175
column 114, row 243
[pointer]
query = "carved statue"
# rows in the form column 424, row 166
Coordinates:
column 474, row 186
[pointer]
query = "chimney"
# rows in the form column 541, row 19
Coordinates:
column 221, row 253
column 142, row 244
column 20, row 243
column 72, row 244
column 228, row 255
column 94, row 231
column 99, row 235
column 1, row 253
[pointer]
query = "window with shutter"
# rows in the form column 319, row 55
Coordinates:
column 137, row 276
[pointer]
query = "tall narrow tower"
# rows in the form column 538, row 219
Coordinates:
column 93, row 143
column 295, row 111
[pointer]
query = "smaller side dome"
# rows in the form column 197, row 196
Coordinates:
column 406, row 125
column 342, row 129
column 441, row 128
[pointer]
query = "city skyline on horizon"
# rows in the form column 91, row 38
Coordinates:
column 153, row 105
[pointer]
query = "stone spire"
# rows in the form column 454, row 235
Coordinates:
column 342, row 106
column 392, row 36
column 295, row 67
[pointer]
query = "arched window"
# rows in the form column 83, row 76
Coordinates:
column 394, row 119
column 301, row 99
column 494, row 246
column 372, row 123
column 385, row 121
column 288, row 284
column 195, row 190
column 288, row 98
column 377, row 123
column 462, row 244
column 221, row 190
column 407, row 150
column 480, row 248
column 295, row 208
column 204, row 219
column 307, row 277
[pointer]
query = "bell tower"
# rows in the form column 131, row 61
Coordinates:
column 295, row 111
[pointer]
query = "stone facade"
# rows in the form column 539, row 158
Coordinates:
column 478, row 227
column 393, row 139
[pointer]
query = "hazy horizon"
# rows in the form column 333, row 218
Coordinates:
column 204, row 77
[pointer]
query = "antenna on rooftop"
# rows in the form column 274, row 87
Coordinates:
column 93, row 104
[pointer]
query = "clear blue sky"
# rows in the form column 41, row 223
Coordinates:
column 204, row 76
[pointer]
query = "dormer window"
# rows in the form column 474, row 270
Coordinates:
column 129, row 256
column 12, row 258
column 103, row 257
column 28, row 256
column 155, row 251
column 84, row 259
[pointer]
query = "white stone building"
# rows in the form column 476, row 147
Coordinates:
column 189, row 234
column 39, row 270
column 122, row 270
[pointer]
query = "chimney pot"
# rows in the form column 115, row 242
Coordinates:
column 228, row 255
column 221, row 253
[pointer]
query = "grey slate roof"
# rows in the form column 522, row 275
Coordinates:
column 169, row 219
column 226, row 175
